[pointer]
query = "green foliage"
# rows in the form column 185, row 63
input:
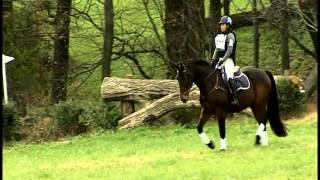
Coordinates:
column 73, row 117
column 66, row 116
column 26, row 40
column 9, row 121
column 291, row 101
column 100, row 114
column 185, row 117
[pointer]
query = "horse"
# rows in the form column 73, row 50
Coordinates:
column 215, row 99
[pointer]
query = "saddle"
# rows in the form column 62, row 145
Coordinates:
column 241, row 79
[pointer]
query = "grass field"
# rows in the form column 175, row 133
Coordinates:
column 170, row 152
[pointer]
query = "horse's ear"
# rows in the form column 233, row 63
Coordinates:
column 175, row 66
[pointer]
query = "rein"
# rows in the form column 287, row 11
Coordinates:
column 208, row 76
column 216, row 86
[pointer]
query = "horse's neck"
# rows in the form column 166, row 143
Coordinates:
column 205, row 79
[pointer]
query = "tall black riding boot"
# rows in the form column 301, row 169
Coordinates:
column 235, row 100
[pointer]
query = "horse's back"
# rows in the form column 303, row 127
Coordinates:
column 255, row 74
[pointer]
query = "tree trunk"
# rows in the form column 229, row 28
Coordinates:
column 311, row 83
column 174, row 31
column 184, row 29
column 255, row 35
column 279, row 17
column 284, row 30
column 61, row 51
column 107, row 38
column 215, row 14
column 226, row 7
column 310, row 12
column 196, row 29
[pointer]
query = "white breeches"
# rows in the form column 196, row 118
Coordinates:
column 229, row 68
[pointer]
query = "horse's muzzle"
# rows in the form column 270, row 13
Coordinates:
column 184, row 96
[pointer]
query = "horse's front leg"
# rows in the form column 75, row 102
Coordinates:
column 204, row 116
column 221, row 115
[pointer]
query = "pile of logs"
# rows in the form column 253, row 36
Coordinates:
column 158, row 97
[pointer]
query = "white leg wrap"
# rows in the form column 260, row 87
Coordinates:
column 204, row 138
column 264, row 138
column 260, row 129
column 223, row 144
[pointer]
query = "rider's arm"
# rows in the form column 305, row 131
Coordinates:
column 231, row 39
column 214, row 56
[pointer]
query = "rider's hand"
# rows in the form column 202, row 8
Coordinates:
column 219, row 64
column 213, row 63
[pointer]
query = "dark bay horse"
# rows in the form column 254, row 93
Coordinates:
column 215, row 99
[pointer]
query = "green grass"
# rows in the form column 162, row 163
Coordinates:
column 169, row 153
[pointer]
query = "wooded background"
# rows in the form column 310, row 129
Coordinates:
column 64, row 48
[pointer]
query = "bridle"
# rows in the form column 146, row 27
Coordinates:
column 216, row 86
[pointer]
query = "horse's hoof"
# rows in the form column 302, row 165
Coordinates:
column 211, row 145
column 222, row 150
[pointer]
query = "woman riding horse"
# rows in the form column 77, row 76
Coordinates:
column 226, row 45
column 261, row 97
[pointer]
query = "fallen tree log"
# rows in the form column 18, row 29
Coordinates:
column 159, row 108
column 137, row 90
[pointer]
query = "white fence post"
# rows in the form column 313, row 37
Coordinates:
column 5, row 59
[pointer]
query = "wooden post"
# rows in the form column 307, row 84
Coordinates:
column 127, row 107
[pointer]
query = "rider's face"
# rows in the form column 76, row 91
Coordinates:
column 223, row 27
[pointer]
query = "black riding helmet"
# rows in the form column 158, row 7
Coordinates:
column 226, row 20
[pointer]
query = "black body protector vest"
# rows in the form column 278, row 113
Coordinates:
column 222, row 42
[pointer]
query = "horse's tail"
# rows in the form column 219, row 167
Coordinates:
column 273, row 110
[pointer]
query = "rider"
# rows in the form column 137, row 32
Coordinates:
column 225, row 50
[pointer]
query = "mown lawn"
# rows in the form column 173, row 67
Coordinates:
column 170, row 153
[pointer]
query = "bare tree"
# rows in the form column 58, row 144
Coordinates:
column 107, row 38
column 255, row 35
column 278, row 13
column 61, row 52
column 184, row 29
column 214, row 16
column 226, row 7
column 310, row 13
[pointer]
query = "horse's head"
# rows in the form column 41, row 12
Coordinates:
column 185, row 79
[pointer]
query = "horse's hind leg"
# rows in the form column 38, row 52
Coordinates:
column 260, row 114
column 203, row 136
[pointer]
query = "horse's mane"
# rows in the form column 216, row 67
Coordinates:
column 198, row 62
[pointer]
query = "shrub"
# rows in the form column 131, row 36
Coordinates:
column 38, row 124
column 100, row 115
column 291, row 101
column 185, row 117
column 10, row 121
column 66, row 115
